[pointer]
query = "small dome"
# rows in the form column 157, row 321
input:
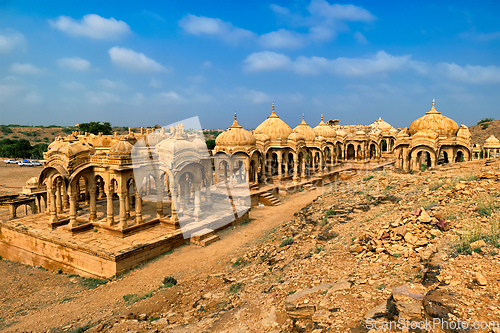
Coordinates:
column 381, row 124
column 324, row 130
column 121, row 147
column 261, row 138
column 341, row 133
column 296, row 136
column 69, row 146
column 306, row 131
column 274, row 128
column 492, row 142
column 360, row 132
column 464, row 133
column 434, row 120
column 425, row 134
column 235, row 136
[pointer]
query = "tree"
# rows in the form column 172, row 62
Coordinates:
column 95, row 127
column 210, row 144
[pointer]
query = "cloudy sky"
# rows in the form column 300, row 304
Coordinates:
column 141, row 63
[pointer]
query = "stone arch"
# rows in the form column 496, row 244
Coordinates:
column 351, row 152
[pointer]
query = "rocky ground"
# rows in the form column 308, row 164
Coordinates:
column 375, row 248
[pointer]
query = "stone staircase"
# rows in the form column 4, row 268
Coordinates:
column 204, row 237
column 267, row 198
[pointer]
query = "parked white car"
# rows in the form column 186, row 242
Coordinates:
column 37, row 163
column 10, row 161
column 25, row 163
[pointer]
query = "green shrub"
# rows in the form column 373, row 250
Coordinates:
column 5, row 129
column 236, row 287
column 485, row 125
column 91, row 283
column 169, row 281
column 484, row 120
column 367, row 178
column 286, row 241
column 238, row 262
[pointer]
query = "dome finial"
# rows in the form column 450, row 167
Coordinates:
column 303, row 117
column 433, row 101
column 321, row 117
column 234, row 115
column 273, row 106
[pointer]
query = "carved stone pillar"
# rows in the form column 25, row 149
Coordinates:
column 122, row 224
column 93, row 204
column 52, row 203
column 197, row 201
column 72, row 209
column 58, row 199
column 295, row 176
column 110, row 220
column 138, row 208
column 280, row 159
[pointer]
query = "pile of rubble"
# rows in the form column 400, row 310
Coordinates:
column 414, row 232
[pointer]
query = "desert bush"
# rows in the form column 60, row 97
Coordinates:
column 236, row 287
column 169, row 281
column 485, row 125
column 286, row 241
column 484, row 120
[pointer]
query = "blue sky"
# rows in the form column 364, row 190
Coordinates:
column 144, row 63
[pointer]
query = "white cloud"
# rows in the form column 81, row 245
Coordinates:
column 169, row 97
column 207, row 64
column 155, row 83
column 101, row 98
column 134, row 61
column 92, row 26
column 26, row 69
column 138, row 99
column 341, row 12
column 266, row 60
column 10, row 40
column 257, row 97
column 75, row 63
column 108, row 84
column 33, row 98
column 73, row 85
column 10, row 92
column 379, row 63
column 201, row 25
column 360, row 38
column 470, row 74
column 281, row 39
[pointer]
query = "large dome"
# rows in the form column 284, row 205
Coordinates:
column 381, row 124
column 434, row 120
column 306, row 130
column 235, row 136
column 274, row 128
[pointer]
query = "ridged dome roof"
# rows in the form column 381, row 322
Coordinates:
column 381, row 124
column 435, row 121
column 425, row 134
column 235, row 136
column 296, row 136
column 464, row 133
column 274, row 128
column 341, row 133
column 492, row 142
column 69, row 146
column 122, row 147
column 324, row 130
column 306, row 130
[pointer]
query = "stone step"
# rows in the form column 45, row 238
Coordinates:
column 269, row 199
column 209, row 240
column 202, row 235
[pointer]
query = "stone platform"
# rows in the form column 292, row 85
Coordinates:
column 98, row 250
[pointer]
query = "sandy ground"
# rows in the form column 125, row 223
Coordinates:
column 37, row 300
column 13, row 177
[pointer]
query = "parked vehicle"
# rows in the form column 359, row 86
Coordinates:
column 25, row 163
column 37, row 163
column 11, row 161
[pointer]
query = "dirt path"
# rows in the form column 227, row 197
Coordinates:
column 186, row 263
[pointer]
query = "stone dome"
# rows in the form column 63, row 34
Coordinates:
column 235, row 136
column 296, row 136
column 361, row 133
column 70, row 146
column 464, row 133
column 434, row 120
column 261, row 138
column 324, row 130
column 381, row 124
column 341, row 133
column 425, row 134
column 121, row 147
column 492, row 142
column 274, row 128
column 306, row 130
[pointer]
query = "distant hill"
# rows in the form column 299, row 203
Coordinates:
column 479, row 135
